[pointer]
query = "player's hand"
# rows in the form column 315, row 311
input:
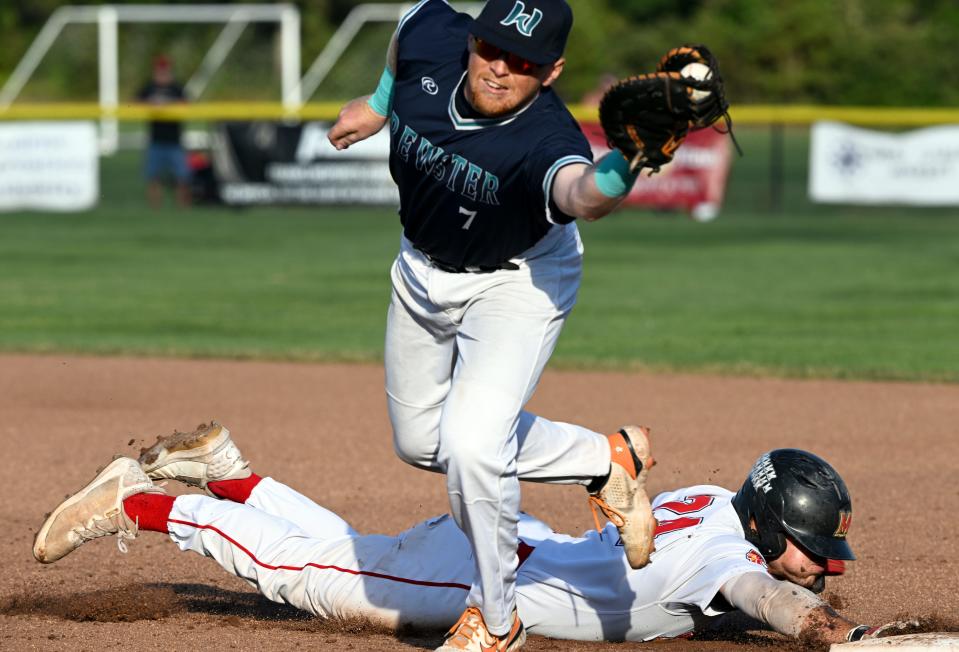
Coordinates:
column 894, row 628
column 357, row 121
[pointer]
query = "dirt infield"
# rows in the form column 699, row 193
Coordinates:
column 324, row 430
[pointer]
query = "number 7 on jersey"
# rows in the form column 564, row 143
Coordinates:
column 471, row 214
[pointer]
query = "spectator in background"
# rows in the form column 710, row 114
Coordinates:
column 165, row 157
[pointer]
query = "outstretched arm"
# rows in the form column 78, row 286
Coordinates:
column 788, row 608
column 592, row 191
column 364, row 116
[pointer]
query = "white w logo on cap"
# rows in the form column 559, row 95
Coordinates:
column 525, row 23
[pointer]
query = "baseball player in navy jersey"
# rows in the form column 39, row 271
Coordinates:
column 764, row 550
column 492, row 172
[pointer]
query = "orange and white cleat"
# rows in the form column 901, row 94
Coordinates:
column 622, row 499
column 470, row 634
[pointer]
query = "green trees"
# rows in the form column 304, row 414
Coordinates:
column 843, row 52
column 838, row 52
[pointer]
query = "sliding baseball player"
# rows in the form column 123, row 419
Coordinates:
column 764, row 550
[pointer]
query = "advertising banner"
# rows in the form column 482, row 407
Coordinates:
column 694, row 181
column 276, row 163
column 51, row 166
column 859, row 166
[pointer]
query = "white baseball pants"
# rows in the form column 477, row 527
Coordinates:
column 464, row 353
column 295, row 552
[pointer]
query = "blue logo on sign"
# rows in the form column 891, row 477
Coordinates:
column 524, row 22
column 848, row 159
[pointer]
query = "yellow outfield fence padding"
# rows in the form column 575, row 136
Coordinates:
column 870, row 116
column 867, row 116
column 174, row 113
column 741, row 114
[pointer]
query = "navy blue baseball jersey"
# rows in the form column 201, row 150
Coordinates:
column 474, row 191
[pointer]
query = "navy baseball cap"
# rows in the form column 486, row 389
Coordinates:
column 533, row 29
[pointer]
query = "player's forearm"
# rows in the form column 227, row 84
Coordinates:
column 364, row 116
column 593, row 191
column 787, row 608
column 357, row 121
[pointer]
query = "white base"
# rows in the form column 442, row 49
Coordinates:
column 905, row 643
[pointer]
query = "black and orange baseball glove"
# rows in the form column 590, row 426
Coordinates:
column 648, row 116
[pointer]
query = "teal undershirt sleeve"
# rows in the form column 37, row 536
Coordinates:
column 613, row 177
column 380, row 100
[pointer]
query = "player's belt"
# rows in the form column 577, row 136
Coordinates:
column 468, row 269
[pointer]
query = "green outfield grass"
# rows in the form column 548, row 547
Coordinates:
column 839, row 293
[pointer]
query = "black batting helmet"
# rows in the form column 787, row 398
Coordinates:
column 795, row 493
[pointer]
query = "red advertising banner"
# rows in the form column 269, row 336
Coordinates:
column 695, row 180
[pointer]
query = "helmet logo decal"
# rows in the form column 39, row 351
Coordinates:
column 755, row 558
column 763, row 474
column 525, row 23
column 845, row 520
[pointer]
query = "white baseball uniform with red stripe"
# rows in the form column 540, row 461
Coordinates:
column 294, row 551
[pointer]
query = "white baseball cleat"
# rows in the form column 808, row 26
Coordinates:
column 196, row 458
column 93, row 512
column 470, row 634
column 622, row 499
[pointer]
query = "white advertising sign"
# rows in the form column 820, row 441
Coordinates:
column 859, row 166
column 48, row 166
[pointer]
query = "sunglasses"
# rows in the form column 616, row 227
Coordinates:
column 514, row 62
